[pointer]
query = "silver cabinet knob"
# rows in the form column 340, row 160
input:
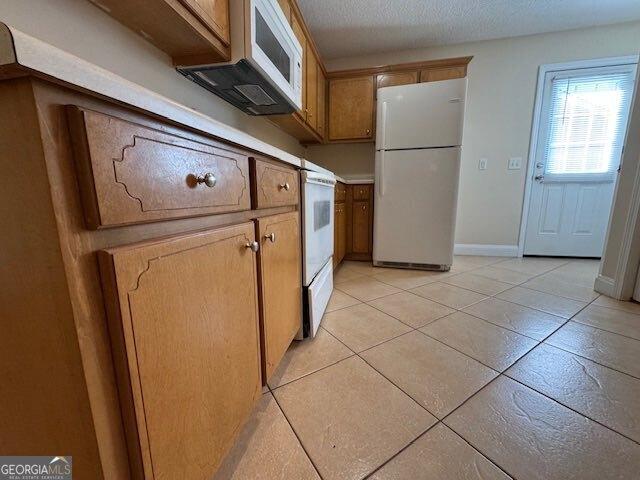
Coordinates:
column 538, row 178
column 285, row 186
column 271, row 236
column 209, row 179
column 254, row 246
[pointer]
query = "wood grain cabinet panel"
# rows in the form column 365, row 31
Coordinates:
column 214, row 14
column 183, row 316
column 361, row 227
column 131, row 174
column 191, row 32
column 311, row 109
column 340, row 192
column 351, row 108
column 446, row 73
column 322, row 103
column 274, row 185
column 340, row 233
column 281, row 285
column 286, row 9
column 397, row 78
column 361, row 192
column 296, row 26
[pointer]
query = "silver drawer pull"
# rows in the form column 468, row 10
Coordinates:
column 271, row 236
column 254, row 246
column 284, row 186
column 209, row 179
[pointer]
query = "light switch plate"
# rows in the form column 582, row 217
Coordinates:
column 515, row 163
column 482, row 164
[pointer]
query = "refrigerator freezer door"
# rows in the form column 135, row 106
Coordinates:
column 415, row 206
column 422, row 115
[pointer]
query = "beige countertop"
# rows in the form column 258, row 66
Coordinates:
column 28, row 52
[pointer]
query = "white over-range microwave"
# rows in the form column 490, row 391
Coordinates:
column 264, row 76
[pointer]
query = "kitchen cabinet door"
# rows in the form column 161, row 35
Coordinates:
column 312, row 89
column 286, row 9
column 392, row 79
column 183, row 318
column 361, row 236
column 340, row 233
column 351, row 108
column 322, row 102
column 214, row 14
column 280, row 285
column 445, row 73
column 296, row 26
column 341, row 221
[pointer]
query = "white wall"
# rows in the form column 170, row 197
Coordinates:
column 84, row 30
column 501, row 89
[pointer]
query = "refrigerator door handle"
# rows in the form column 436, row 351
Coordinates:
column 381, row 174
column 381, row 131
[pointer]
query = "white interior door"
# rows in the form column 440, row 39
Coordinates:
column 583, row 123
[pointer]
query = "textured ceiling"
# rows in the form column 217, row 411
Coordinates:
column 344, row 28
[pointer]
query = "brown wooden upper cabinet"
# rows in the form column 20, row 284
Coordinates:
column 322, row 102
column 351, row 108
column 444, row 73
column 190, row 31
column 392, row 79
column 307, row 124
column 213, row 13
column 286, row 9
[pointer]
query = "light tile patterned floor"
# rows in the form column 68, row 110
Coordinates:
column 501, row 368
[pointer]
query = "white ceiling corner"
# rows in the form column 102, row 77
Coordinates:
column 345, row 28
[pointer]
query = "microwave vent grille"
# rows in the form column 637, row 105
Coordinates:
column 256, row 94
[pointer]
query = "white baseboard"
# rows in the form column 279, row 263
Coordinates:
column 605, row 286
column 485, row 250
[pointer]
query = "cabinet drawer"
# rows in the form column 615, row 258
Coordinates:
column 341, row 192
column 183, row 319
column 361, row 192
column 132, row 174
column 274, row 185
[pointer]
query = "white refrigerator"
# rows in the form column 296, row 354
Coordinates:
column 418, row 144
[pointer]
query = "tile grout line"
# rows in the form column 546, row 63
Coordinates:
column 502, row 372
column 572, row 319
column 570, row 408
column 499, row 373
column 297, row 437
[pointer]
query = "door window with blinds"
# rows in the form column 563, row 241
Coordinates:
column 584, row 123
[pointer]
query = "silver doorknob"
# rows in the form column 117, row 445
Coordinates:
column 254, row 246
column 538, row 178
column 271, row 236
column 209, row 179
column 285, row 186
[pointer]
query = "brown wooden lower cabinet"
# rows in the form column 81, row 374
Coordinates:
column 137, row 342
column 361, row 232
column 340, row 233
column 280, row 285
column 353, row 224
column 183, row 318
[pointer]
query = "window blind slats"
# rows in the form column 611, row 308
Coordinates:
column 587, row 121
